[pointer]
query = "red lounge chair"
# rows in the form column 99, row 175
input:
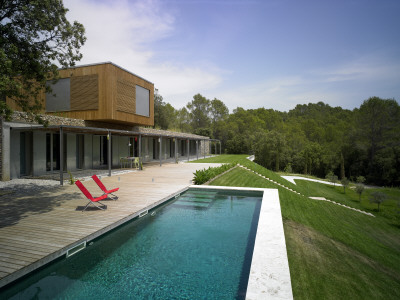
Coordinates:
column 103, row 188
column 90, row 197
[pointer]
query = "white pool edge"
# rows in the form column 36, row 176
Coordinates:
column 269, row 273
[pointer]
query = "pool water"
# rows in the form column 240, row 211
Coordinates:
column 198, row 246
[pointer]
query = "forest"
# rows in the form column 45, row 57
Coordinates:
column 314, row 139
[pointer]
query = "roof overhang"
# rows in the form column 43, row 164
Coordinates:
column 105, row 131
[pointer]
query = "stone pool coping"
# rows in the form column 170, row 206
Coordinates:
column 269, row 273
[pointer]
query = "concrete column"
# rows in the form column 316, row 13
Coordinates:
column 140, row 151
column 5, row 144
column 109, row 152
column 61, row 156
column 176, row 150
column 160, row 154
column 51, row 152
column 197, row 149
column 188, row 149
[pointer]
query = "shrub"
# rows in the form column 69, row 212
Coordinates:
column 202, row 176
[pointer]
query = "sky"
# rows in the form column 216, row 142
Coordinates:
column 250, row 53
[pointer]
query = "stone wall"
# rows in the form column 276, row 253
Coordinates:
column 23, row 117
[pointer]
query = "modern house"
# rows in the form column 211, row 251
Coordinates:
column 96, row 115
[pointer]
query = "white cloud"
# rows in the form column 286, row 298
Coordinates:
column 126, row 33
column 346, row 85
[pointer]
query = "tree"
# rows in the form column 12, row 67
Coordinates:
column 164, row 113
column 218, row 113
column 332, row 177
column 360, row 179
column 345, row 183
column 218, row 110
column 199, row 110
column 183, row 120
column 378, row 198
column 35, row 36
column 359, row 190
column 378, row 125
column 270, row 149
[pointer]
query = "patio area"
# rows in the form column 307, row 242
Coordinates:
column 40, row 223
column 104, row 171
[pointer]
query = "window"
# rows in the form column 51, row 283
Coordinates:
column 59, row 98
column 142, row 101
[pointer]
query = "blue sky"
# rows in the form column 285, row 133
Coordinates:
column 260, row 53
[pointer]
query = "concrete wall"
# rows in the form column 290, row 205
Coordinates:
column 14, row 155
column 96, row 151
column 4, row 151
column 39, row 153
column 88, row 151
column 115, row 151
column 71, row 151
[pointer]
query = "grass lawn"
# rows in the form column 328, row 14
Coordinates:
column 333, row 252
column 222, row 159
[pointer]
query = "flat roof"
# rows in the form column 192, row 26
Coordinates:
column 107, row 62
column 83, row 129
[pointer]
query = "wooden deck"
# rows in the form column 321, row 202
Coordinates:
column 38, row 225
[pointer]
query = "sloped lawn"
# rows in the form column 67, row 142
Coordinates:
column 334, row 252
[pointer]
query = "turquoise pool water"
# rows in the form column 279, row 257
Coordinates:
column 198, row 246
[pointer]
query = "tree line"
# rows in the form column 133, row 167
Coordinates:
column 313, row 139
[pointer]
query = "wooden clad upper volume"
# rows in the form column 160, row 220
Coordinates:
column 103, row 92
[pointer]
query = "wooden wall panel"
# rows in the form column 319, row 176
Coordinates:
column 85, row 92
column 126, row 96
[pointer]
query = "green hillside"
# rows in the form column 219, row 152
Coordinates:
column 334, row 252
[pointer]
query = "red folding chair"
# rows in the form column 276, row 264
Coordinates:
column 88, row 195
column 104, row 189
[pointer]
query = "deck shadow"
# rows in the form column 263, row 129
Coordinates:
column 20, row 201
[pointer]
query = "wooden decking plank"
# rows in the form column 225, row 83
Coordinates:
column 36, row 248
column 18, row 256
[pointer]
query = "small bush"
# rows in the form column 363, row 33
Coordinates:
column 202, row 176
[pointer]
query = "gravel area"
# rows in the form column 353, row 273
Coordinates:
column 30, row 182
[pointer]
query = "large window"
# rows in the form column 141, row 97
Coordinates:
column 59, row 99
column 52, row 151
column 142, row 101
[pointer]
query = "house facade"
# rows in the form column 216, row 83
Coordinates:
column 97, row 114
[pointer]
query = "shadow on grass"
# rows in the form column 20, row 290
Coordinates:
column 20, row 201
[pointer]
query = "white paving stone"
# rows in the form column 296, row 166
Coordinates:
column 269, row 273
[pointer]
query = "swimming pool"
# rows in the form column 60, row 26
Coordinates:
column 198, row 246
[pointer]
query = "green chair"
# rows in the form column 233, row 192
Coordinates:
column 136, row 162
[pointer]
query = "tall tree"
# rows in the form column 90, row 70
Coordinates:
column 183, row 120
column 164, row 113
column 218, row 110
column 199, row 109
column 270, row 150
column 218, row 113
column 36, row 38
column 378, row 122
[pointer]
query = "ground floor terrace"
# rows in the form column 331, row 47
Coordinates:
column 62, row 150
